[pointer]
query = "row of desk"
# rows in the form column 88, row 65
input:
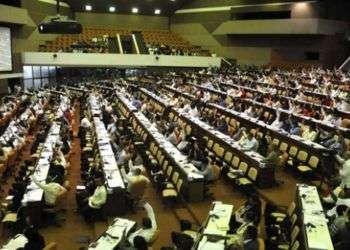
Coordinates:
column 14, row 127
column 10, row 113
column 256, row 84
column 293, row 90
column 311, row 219
column 193, row 181
column 201, row 129
column 286, row 113
column 216, row 224
column 265, row 176
column 292, row 140
column 343, row 114
column 33, row 196
column 114, row 181
column 115, row 234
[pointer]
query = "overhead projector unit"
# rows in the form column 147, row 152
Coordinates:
column 60, row 25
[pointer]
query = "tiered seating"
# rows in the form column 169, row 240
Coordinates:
column 65, row 41
column 158, row 37
column 165, row 37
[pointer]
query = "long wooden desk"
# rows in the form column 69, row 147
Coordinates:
column 343, row 114
column 111, row 239
column 284, row 113
column 201, row 129
column 114, row 181
column 312, row 148
column 217, row 223
column 311, row 219
column 193, row 181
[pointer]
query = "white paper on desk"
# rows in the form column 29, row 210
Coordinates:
column 207, row 245
column 80, row 187
column 215, row 231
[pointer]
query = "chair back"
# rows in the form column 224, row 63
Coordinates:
column 169, row 170
column 275, row 141
column 165, row 164
column 188, row 130
column 302, row 155
column 253, row 173
column 210, row 144
column 294, row 234
column 291, row 208
column 228, row 156
column 293, row 151
column 243, row 167
column 296, row 245
column 283, row 147
column 179, row 185
column 175, row 177
column 235, row 161
column 313, row 161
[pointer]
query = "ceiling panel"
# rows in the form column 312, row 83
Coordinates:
column 146, row 7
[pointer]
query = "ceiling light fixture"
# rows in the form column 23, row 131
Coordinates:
column 88, row 7
column 157, row 11
column 135, row 10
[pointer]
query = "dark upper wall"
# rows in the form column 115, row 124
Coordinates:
column 27, row 38
column 198, row 27
column 216, row 3
column 329, row 9
column 123, row 21
column 39, row 10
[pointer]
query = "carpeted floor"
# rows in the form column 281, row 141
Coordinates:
column 74, row 231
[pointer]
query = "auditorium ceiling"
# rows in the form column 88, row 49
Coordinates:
column 145, row 7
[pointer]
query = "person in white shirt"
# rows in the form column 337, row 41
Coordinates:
column 124, row 155
column 309, row 133
column 95, row 201
column 99, row 197
column 277, row 123
column 338, row 197
column 344, row 177
column 59, row 158
column 137, row 183
column 193, row 111
column 250, row 144
column 344, row 171
column 132, row 167
column 85, row 124
column 52, row 191
column 149, row 226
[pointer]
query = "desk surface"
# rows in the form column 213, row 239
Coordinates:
column 180, row 159
column 157, row 98
column 113, row 236
column 126, row 102
column 328, row 125
column 16, row 242
column 217, row 223
column 281, row 132
column 225, row 138
column 110, row 167
column 33, row 192
column 315, row 226
column 109, row 163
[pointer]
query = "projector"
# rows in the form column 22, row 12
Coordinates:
column 59, row 25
